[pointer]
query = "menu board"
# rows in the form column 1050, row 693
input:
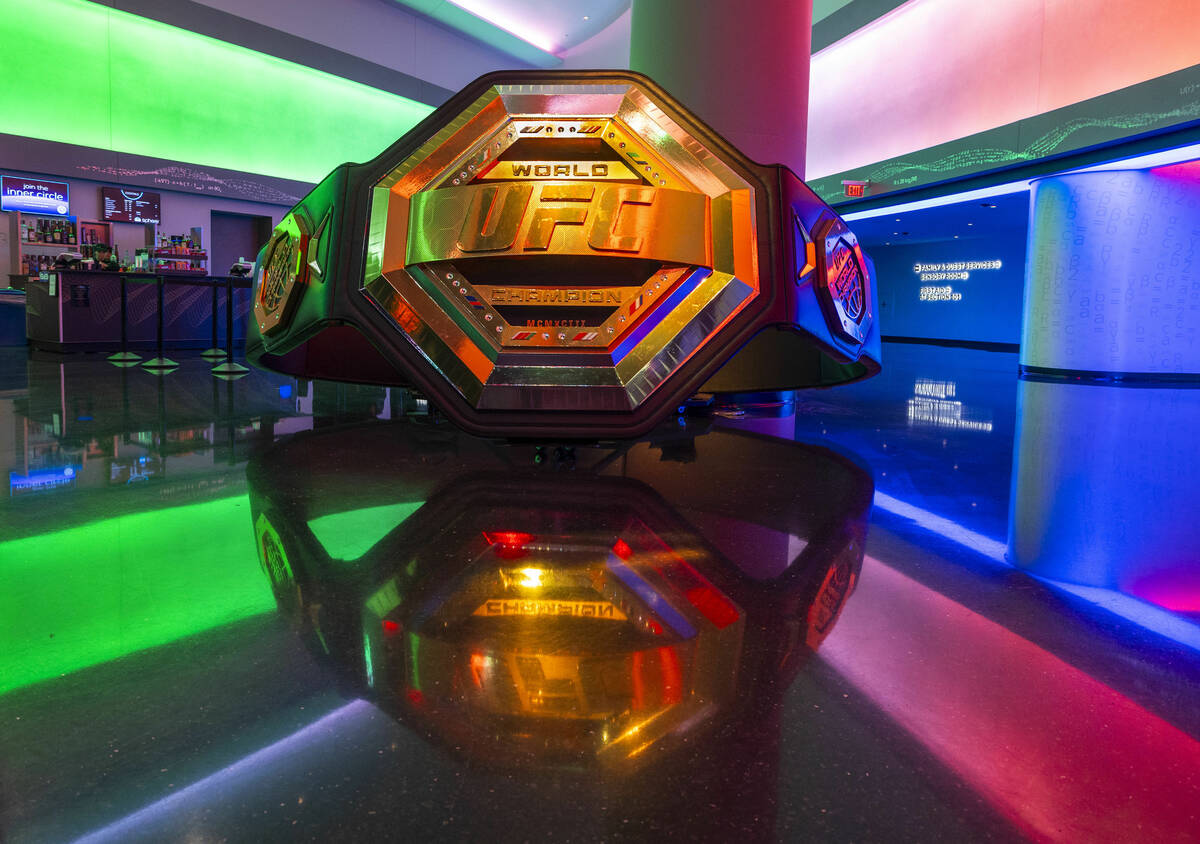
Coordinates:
column 131, row 206
column 34, row 196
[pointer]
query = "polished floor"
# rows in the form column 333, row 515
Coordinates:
column 941, row 605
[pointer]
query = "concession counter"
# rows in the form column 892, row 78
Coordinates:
column 91, row 310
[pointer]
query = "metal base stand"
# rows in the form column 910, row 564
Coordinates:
column 160, row 366
column 230, row 371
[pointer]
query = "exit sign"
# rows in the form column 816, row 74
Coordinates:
column 855, row 189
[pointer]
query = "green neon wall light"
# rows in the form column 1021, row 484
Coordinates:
column 349, row 535
column 81, row 73
column 93, row 593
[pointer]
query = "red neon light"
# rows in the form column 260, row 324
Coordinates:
column 390, row 627
column 639, row 686
column 672, row 677
column 856, row 190
column 715, row 606
column 622, row 549
column 508, row 544
column 416, row 697
column 700, row 593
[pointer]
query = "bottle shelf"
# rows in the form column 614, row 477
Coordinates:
column 177, row 256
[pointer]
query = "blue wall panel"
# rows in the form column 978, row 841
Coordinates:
column 989, row 305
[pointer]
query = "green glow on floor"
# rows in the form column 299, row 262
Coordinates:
column 82, row 73
column 349, row 535
column 414, row 645
column 93, row 593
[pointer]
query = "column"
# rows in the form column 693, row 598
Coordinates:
column 741, row 67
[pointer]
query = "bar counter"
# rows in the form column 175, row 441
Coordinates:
column 80, row 310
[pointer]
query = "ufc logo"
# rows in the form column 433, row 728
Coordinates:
column 608, row 215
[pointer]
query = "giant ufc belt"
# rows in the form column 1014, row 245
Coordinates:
column 564, row 254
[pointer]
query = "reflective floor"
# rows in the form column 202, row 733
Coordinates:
column 939, row 605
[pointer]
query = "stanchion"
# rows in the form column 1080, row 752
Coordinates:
column 213, row 352
column 124, row 357
column 160, row 364
column 229, row 370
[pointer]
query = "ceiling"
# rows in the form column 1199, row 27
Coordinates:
column 551, row 26
column 994, row 216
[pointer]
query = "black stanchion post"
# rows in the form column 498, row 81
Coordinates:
column 213, row 352
column 160, row 364
column 124, row 357
column 229, row 370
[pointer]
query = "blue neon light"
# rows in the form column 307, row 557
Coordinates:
column 651, row 597
column 255, row 764
column 647, row 325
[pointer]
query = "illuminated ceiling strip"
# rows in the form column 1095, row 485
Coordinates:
column 281, row 751
column 487, row 11
column 1136, row 162
column 1142, row 162
column 480, row 20
column 938, row 201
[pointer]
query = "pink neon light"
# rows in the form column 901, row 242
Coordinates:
column 1176, row 589
column 1186, row 170
column 1065, row 757
column 933, row 71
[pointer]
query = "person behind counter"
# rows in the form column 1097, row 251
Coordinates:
column 102, row 254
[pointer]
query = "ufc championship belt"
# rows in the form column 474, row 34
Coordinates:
column 564, row 254
column 531, row 618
